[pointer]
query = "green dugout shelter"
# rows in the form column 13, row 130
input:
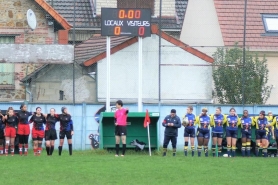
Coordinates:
column 135, row 129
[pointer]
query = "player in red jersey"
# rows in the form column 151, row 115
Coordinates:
column 23, row 128
column 120, row 126
column 2, row 135
column 11, row 122
column 50, row 131
column 38, row 120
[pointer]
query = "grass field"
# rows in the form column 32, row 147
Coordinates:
column 102, row 167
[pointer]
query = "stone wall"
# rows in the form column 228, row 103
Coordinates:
column 13, row 22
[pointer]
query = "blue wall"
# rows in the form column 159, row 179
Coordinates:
column 83, row 116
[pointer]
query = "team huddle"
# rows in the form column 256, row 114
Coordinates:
column 264, row 126
column 17, row 124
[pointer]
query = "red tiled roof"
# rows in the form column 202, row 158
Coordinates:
column 231, row 19
column 54, row 14
column 133, row 40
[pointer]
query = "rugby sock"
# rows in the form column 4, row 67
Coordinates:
column 206, row 150
column 185, row 148
column 25, row 149
column 229, row 150
column 47, row 150
column 199, row 151
column 60, row 149
column 257, row 149
column 124, row 148
column 265, row 152
column 1, row 149
column 243, row 149
column 39, row 149
column 70, row 149
column 35, row 151
column 248, row 148
column 192, row 150
column 164, row 151
column 174, row 152
column 219, row 150
column 233, row 151
column 51, row 150
column 20, row 149
column 213, row 150
column 12, row 150
column 6, row 149
column 117, row 149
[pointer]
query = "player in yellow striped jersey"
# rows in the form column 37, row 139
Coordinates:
column 274, row 124
column 270, row 129
column 233, row 122
column 246, row 133
column 203, row 121
column 261, row 124
column 188, row 122
column 217, row 122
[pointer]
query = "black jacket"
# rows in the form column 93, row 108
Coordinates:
column 171, row 130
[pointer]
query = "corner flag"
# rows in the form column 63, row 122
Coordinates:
column 147, row 120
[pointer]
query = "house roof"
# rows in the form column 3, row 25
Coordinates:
column 125, row 42
column 84, row 15
column 49, row 9
column 94, row 46
column 231, row 19
column 35, row 73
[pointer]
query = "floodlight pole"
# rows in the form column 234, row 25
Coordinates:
column 243, row 54
column 108, row 109
column 73, row 65
column 140, row 69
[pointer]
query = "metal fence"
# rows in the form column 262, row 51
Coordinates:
column 176, row 68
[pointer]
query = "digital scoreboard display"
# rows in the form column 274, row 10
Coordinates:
column 125, row 22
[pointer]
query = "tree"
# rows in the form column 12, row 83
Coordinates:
column 231, row 78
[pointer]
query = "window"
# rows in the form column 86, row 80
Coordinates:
column 6, row 69
column 270, row 23
column 136, row 4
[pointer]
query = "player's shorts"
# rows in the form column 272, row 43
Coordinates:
column 120, row 130
column 2, row 134
column 203, row 133
column 10, row 132
column 246, row 134
column 50, row 135
column 218, row 135
column 64, row 133
column 189, row 132
column 23, row 129
column 261, row 134
column 37, row 134
column 231, row 133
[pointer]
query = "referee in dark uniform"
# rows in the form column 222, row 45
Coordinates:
column 171, row 123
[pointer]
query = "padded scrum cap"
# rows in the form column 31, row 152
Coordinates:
column 63, row 109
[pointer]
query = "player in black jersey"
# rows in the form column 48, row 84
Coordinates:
column 50, row 131
column 66, row 129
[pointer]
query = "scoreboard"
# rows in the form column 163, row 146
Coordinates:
column 125, row 22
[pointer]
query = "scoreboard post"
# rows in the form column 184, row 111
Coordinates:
column 135, row 22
